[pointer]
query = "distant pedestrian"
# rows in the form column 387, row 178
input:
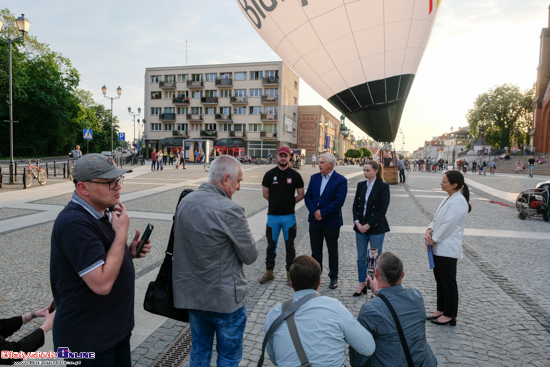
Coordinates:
column 164, row 156
column 531, row 162
column 313, row 161
column 491, row 166
column 171, row 157
column 77, row 153
column 153, row 159
column 181, row 160
column 160, row 156
column 401, row 167
column 474, row 166
column 525, row 149
column 532, row 150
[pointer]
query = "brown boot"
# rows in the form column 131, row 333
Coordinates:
column 288, row 277
column 267, row 277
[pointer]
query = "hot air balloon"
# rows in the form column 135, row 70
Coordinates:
column 361, row 55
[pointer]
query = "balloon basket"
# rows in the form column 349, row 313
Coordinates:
column 389, row 174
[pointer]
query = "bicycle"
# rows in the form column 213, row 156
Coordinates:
column 40, row 174
column 207, row 166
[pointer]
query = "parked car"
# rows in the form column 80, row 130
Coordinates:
column 106, row 152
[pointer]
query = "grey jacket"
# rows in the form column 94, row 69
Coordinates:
column 212, row 240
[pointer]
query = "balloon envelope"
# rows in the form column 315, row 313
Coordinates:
column 361, row 55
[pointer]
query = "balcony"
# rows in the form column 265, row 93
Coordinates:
column 167, row 116
column 268, row 134
column 181, row 134
column 194, row 117
column 209, row 100
column 268, row 117
column 224, row 83
column 237, row 134
column 270, row 99
column 209, row 134
column 180, row 101
column 239, row 100
column 191, row 84
column 270, row 80
column 222, row 117
column 167, row 85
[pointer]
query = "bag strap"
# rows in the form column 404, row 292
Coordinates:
column 399, row 330
column 296, row 336
column 282, row 317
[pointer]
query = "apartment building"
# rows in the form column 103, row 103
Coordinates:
column 250, row 105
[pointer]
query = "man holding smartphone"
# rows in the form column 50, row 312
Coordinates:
column 91, row 270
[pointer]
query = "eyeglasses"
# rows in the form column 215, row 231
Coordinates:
column 112, row 184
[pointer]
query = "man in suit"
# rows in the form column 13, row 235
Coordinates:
column 324, row 199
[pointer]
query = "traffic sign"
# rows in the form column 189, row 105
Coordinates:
column 121, row 136
column 87, row 134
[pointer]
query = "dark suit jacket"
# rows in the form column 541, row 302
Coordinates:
column 29, row 343
column 377, row 205
column 330, row 203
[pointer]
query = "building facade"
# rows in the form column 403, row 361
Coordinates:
column 319, row 132
column 251, row 105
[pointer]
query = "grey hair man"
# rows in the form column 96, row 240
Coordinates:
column 376, row 317
column 212, row 241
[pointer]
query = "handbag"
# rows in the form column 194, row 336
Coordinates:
column 159, row 298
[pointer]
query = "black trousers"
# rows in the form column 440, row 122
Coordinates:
column 447, row 289
column 317, row 234
column 271, row 250
column 402, row 176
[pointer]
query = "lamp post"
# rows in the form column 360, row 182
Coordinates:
column 23, row 25
column 134, row 115
column 119, row 92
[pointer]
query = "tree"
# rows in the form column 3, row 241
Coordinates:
column 353, row 153
column 505, row 112
column 365, row 152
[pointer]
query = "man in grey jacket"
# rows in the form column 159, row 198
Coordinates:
column 212, row 240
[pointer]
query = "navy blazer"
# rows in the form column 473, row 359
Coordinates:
column 330, row 203
column 379, row 200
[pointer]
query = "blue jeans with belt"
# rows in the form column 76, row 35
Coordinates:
column 228, row 328
column 362, row 241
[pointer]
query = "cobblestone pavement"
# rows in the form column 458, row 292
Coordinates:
column 504, row 310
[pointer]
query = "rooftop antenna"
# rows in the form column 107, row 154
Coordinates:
column 187, row 50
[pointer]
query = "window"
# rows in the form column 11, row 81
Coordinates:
column 211, row 77
column 271, row 73
column 270, row 110
column 156, row 78
column 255, row 93
column 238, row 127
column 225, row 110
column 197, row 94
column 255, row 127
column 239, row 110
column 225, row 75
column 156, row 127
column 155, row 111
column 169, row 110
column 296, row 85
column 170, row 78
column 168, row 127
column 183, row 78
column 271, row 128
column 183, row 94
column 195, row 127
column 210, row 93
column 169, row 94
column 196, row 77
column 156, row 95
column 196, row 110
column 240, row 93
column 255, row 110
column 182, row 127
column 295, row 101
column 210, row 111
column 271, row 92
column 256, row 75
column 225, row 93
column 261, row 148
column 182, row 111
column 225, row 127
column 240, row 75
column 210, row 127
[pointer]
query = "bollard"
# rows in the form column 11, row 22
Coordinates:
column 15, row 172
column 54, row 169
column 64, row 170
column 24, row 178
column 120, row 161
column 47, row 170
column 1, row 183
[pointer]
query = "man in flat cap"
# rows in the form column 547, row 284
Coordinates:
column 91, row 270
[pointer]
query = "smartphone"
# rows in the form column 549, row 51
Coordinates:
column 144, row 238
column 53, row 307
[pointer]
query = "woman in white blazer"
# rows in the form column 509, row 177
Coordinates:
column 444, row 234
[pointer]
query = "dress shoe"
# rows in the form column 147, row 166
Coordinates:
column 433, row 317
column 363, row 291
column 451, row 322
column 333, row 284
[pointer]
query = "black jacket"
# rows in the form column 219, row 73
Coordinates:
column 377, row 205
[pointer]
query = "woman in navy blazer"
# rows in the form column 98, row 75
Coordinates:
column 372, row 199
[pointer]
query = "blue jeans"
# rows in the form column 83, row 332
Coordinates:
column 229, row 329
column 117, row 356
column 159, row 165
column 274, row 225
column 362, row 240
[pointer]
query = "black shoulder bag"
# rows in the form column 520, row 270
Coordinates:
column 159, row 298
column 399, row 330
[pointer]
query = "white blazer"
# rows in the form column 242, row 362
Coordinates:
column 448, row 226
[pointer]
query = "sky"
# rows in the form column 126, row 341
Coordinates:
column 475, row 46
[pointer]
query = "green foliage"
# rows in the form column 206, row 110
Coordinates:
column 506, row 113
column 365, row 152
column 353, row 153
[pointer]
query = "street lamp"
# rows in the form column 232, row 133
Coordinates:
column 119, row 92
column 23, row 25
column 134, row 115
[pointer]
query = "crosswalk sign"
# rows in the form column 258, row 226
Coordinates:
column 87, row 134
column 121, row 136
